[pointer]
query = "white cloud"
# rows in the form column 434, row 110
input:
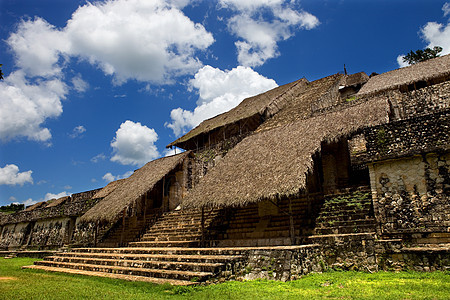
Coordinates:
column 79, row 84
column 173, row 151
column 25, row 106
column 78, row 131
column 400, row 61
column 37, row 46
column 219, row 91
column 13, row 200
column 262, row 24
column 436, row 34
column 108, row 177
column 50, row 196
column 98, row 158
column 29, row 202
column 446, row 9
column 128, row 39
column 10, row 175
column 150, row 41
column 134, row 144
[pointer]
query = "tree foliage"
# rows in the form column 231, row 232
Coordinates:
column 12, row 208
column 1, row 73
column 422, row 55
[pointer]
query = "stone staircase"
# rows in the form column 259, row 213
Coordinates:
column 179, row 228
column 125, row 232
column 347, row 213
column 176, row 266
column 165, row 254
column 247, row 228
column 346, row 230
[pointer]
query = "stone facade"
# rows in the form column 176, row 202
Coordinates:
column 48, row 226
column 409, row 172
column 412, row 193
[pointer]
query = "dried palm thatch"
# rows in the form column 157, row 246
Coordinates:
column 355, row 79
column 247, row 108
column 56, row 202
column 35, row 206
column 274, row 163
column 126, row 192
column 424, row 71
column 300, row 105
column 108, row 189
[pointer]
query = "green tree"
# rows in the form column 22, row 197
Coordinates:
column 422, row 55
column 1, row 73
column 12, row 208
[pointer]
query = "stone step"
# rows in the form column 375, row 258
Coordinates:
column 204, row 258
column 179, row 222
column 431, row 248
column 346, row 229
column 258, row 235
column 184, row 230
column 342, row 211
column 113, row 275
column 334, row 224
column 162, row 250
column 187, row 216
column 185, row 237
column 265, row 242
column 345, row 217
column 191, row 243
column 212, row 267
column 418, row 238
column 158, row 273
column 316, row 239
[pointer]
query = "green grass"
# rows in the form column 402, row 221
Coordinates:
column 34, row 284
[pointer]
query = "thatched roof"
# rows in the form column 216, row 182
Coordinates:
column 56, row 202
column 247, row 108
column 274, row 163
column 35, row 206
column 300, row 105
column 129, row 190
column 108, row 189
column 427, row 70
column 355, row 79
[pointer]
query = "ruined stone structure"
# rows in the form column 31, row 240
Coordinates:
column 345, row 172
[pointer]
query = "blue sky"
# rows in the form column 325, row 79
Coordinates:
column 94, row 90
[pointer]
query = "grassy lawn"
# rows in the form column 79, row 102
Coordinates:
column 16, row 283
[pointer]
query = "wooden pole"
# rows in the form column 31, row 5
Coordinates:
column 203, row 227
column 163, row 202
column 291, row 223
column 123, row 227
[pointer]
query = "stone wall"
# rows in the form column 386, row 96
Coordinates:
column 412, row 194
column 274, row 263
column 417, row 135
column 45, row 227
column 68, row 208
column 426, row 100
column 13, row 235
column 417, row 259
column 409, row 172
column 51, row 233
column 348, row 251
